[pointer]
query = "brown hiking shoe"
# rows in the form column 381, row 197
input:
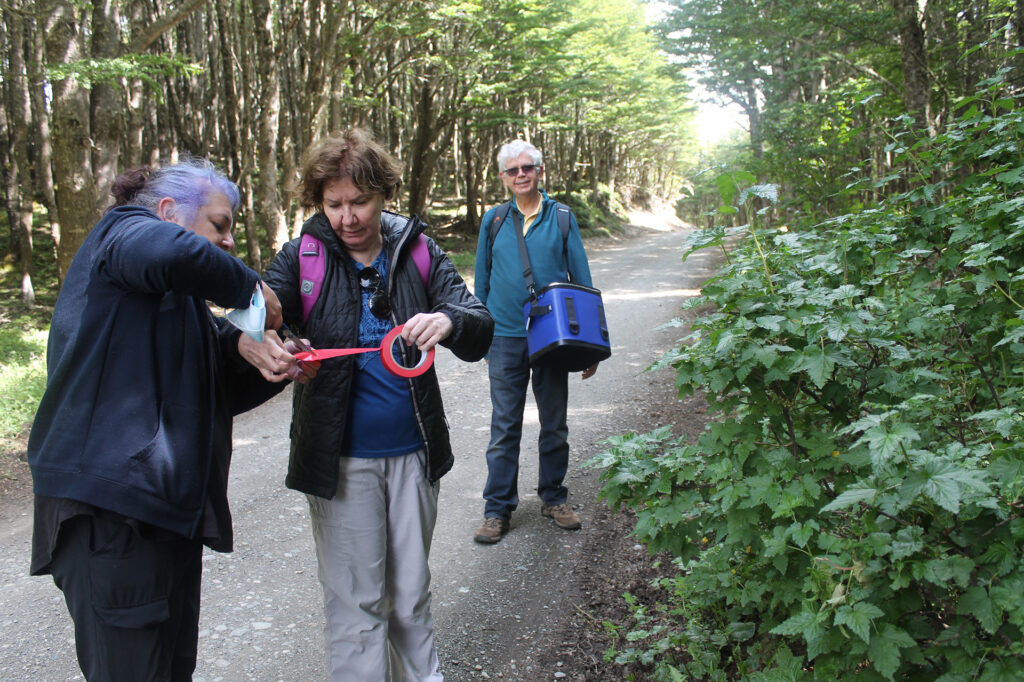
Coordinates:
column 491, row 530
column 563, row 516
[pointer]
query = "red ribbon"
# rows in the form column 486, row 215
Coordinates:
column 386, row 356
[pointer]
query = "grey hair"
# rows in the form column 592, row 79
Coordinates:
column 189, row 182
column 516, row 148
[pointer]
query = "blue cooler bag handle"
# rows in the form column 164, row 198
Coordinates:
column 536, row 311
column 570, row 312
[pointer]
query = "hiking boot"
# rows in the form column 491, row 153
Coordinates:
column 563, row 516
column 491, row 530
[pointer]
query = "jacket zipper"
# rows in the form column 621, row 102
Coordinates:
column 405, row 354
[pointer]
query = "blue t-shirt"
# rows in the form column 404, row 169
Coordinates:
column 381, row 420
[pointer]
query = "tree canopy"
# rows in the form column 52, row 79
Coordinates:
column 91, row 88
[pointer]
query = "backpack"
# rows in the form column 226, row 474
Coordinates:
column 313, row 264
column 561, row 216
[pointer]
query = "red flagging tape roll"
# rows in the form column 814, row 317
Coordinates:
column 386, row 356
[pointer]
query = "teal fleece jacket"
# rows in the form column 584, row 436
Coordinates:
column 502, row 288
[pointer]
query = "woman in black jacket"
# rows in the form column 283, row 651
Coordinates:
column 132, row 440
column 368, row 447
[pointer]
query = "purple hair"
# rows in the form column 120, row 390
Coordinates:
column 189, row 182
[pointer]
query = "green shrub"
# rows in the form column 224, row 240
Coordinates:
column 598, row 212
column 855, row 512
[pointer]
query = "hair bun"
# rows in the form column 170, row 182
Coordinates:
column 128, row 184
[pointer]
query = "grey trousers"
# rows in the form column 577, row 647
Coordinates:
column 372, row 544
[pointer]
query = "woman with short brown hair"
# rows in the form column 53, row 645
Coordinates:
column 368, row 448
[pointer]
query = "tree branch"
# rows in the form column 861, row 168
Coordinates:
column 165, row 23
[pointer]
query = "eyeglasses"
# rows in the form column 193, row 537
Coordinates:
column 370, row 279
column 527, row 169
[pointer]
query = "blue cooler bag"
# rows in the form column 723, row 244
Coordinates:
column 566, row 327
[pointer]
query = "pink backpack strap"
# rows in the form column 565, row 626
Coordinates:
column 421, row 256
column 312, row 265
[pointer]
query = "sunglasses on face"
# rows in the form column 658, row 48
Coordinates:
column 527, row 169
column 370, row 279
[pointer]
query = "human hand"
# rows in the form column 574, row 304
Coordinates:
column 426, row 330
column 590, row 371
column 270, row 357
column 273, row 306
column 303, row 370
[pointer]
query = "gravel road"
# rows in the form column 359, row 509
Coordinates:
column 496, row 607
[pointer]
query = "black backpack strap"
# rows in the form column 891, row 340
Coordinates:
column 500, row 214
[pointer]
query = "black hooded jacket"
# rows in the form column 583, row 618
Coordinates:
column 320, row 408
column 141, row 378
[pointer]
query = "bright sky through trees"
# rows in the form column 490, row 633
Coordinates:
column 715, row 123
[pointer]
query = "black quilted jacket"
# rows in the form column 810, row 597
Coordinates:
column 320, row 409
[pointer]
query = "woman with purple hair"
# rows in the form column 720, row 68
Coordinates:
column 131, row 443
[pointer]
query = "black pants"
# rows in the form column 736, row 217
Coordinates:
column 133, row 593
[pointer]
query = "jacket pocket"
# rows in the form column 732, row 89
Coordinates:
column 173, row 465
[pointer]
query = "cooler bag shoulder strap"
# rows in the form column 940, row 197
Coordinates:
column 312, row 265
column 562, row 213
column 524, row 255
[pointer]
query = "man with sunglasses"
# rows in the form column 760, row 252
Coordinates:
column 500, row 285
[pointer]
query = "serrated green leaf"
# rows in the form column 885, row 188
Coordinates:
column 795, row 625
column 850, row 497
column 955, row 568
column 800, row 533
column 1008, row 471
column 768, row 192
column 836, row 330
column 817, row 364
column 975, row 601
column 1002, row 670
column 884, row 656
column 908, row 541
column 772, row 323
column 884, row 649
column 886, row 444
column 766, row 355
column 943, row 485
column 858, row 618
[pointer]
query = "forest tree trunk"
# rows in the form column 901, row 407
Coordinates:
column 419, row 180
column 75, row 190
column 43, row 160
column 915, row 63
column 107, row 102
column 469, row 170
column 268, row 202
column 19, row 195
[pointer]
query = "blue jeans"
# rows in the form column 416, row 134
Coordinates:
column 509, row 372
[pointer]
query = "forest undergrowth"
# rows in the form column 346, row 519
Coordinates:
column 857, row 509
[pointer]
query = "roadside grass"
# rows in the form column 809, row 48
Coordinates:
column 22, row 379
column 23, row 335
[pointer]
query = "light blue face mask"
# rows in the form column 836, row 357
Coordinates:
column 253, row 319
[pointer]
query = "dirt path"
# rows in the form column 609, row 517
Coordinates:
column 508, row 611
